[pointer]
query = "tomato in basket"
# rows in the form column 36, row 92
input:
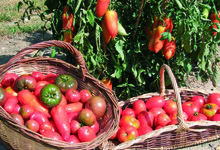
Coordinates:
column 50, row 95
column 65, row 82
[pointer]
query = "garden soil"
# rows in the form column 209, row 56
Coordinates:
column 10, row 46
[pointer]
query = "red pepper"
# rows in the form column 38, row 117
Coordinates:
column 158, row 44
column 214, row 20
column 105, row 32
column 168, row 23
column 67, row 37
column 155, row 24
column 60, row 117
column 151, row 43
column 65, row 21
column 25, row 97
column 67, row 18
column 169, row 48
column 107, row 82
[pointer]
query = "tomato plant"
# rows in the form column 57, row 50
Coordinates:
column 127, row 60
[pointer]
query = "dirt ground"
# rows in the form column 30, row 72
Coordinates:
column 10, row 46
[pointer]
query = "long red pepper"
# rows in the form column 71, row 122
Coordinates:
column 60, row 117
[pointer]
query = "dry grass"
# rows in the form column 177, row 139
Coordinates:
column 9, row 15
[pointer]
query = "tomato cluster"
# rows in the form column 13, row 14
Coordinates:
column 142, row 117
column 52, row 105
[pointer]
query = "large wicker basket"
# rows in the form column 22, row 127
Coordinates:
column 172, row 136
column 16, row 136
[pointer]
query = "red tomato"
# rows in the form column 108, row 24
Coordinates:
column 46, row 126
column 214, row 98
column 86, row 134
column 10, row 103
column 146, row 118
column 50, row 77
column 74, row 126
column 197, row 117
column 32, row 125
column 128, row 111
column 52, row 134
column 190, row 108
column 10, row 92
column 73, row 139
column 25, row 111
column 87, row 117
column 114, row 136
column 170, row 106
column 156, row 111
column 144, row 129
column 25, row 82
column 209, row 109
column 215, row 117
column 37, row 91
column 85, row 95
column 173, row 116
column 17, row 118
column 95, row 127
column 162, row 120
column 198, row 99
column 41, row 83
column 72, row 95
column 38, row 75
column 139, row 106
column 129, row 120
column 9, row 79
column 155, row 101
column 127, row 133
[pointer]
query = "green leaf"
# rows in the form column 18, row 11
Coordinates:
column 77, row 6
column 93, row 60
column 188, row 67
column 134, row 70
column 90, row 17
column 119, row 47
column 19, row 5
column 139, row 77
column 215, row 77
column 53, row 53
column 118, row 72
column 78, row 37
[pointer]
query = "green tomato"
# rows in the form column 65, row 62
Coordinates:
column 66, row 82
column 50, row 95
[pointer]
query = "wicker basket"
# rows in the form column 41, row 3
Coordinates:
column 172, row 136
column 17, row 136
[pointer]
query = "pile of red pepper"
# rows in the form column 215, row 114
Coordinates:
column 156, row 44
column 67, row 24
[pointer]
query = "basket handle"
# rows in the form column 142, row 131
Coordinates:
column 182, row 124
column 79, row 57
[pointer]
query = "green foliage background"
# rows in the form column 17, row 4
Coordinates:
column 133, row 69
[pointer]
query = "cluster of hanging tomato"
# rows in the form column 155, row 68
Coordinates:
column 67, row 24
column 161, row 26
